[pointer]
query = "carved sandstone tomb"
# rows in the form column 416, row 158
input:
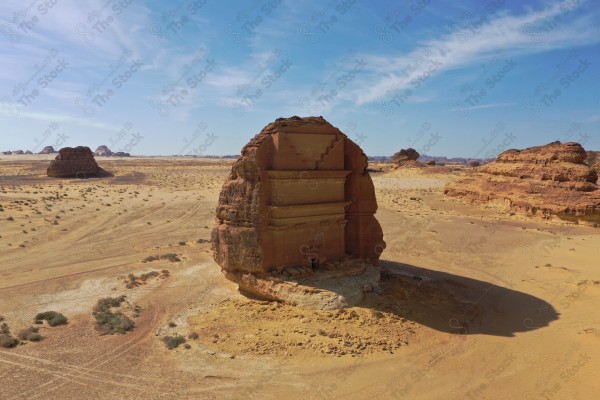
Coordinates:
column 296, row 218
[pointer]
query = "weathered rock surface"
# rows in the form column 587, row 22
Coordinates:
column 337, row 285
column 103, row 151
column 73, row 162
column 47, row 150
column 404, row 156
column 593, row 160
column 547, row 181
column 299, row 196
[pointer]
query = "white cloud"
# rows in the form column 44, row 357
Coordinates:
column 464, row 47
column 58, row 117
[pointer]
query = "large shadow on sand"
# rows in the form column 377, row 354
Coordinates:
column 456, row 304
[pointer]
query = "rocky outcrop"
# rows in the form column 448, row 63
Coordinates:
column 74, row 162
column 47, row 150
column 405, row 156
column 299, row 197
column 551, row 181
column 103, row 151
column 593, row 160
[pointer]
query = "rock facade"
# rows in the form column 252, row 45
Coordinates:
column 547, row 181
column 299, row 196
column 74, row 162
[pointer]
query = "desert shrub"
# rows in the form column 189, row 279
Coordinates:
column 182, row 243
column 148, row 275
column 31, row 334
column 172, row 324
column 137, row 311
column 193, row 336
column 109, row 323
column 52, row 317
column 4, row 329
column 107, row 303
column 172, row 342
column 172, row 257
column 8, row 341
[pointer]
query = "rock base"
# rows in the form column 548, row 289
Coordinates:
column 333, row 286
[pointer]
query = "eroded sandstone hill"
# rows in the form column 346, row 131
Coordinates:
column 548, row 181
column 73, row 162
column 299, row 200
column 593, row 160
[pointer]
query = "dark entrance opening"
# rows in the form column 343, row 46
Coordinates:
column 314, row 263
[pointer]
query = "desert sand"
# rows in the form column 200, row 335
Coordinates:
column 476, row 303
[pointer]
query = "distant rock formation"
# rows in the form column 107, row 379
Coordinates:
column 547, row 181
column 7, row 153
column 404, row 156
column 121, row 154
column 73, row 162
column 19, row 152
column 296, row 218
column 28, row 152
column 47, row 150
column 103, row 151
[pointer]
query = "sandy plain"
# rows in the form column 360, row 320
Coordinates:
column 476, row 303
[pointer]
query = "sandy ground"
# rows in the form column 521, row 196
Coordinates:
column 475, row 303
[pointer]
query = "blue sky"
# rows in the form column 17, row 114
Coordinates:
column 204, row 76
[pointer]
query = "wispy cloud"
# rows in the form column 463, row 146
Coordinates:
column 386, row 75
column 58, row 117
column 493, row 105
